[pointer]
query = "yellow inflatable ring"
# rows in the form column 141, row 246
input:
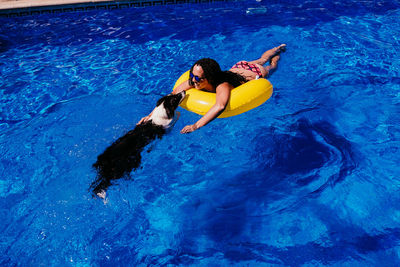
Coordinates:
column 243, row 98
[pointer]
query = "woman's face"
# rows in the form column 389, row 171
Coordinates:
column 197, row 77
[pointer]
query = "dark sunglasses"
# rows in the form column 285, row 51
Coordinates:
column 197, row 78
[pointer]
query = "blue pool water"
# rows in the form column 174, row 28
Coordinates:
column 310, row 178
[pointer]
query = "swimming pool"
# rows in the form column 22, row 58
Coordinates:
column 310, row 178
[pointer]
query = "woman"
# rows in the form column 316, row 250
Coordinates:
column 207, row 75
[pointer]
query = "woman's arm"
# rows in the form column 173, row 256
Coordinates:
column 145, row 118
column 223, row 92
column 182, row 87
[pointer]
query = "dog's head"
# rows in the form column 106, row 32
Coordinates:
column 171, row 103
column 164, row 112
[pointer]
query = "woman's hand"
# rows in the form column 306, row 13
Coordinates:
column 143, row 120
column 189, row 129
column 223, row 93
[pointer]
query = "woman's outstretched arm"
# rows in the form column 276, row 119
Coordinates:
column 223, row 93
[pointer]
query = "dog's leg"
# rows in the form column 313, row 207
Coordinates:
column 101, row 194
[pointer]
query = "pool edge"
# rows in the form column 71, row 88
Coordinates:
column 26, row 8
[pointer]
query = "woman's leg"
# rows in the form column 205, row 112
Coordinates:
column 273, row 64
column 267, row 56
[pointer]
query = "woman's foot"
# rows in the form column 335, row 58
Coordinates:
column 279, row 49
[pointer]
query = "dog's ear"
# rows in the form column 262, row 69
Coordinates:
column 159, row 101
column 171, row 102
column 169, row 107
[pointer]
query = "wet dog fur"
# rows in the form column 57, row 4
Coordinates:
column 124, row 155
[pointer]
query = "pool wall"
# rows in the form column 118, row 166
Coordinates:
column 106, row 5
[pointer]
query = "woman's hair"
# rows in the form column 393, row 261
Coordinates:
column 214, row 74
column 235, row 79
column 211, row 69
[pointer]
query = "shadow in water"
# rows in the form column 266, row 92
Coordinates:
column 290, row 164
column 304, row 153
column 220, row 220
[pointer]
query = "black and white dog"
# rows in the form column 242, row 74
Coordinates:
column 123, row 156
